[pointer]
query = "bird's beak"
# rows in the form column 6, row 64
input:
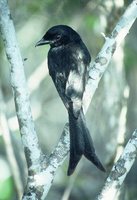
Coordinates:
column 42, row 42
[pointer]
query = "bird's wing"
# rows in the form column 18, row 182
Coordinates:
column 75, row 84
column 59, row 79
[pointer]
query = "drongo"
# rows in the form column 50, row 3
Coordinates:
column 68, row 61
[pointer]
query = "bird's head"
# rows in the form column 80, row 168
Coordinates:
column 59, row 35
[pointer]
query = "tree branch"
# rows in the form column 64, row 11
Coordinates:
column 30, row 142
column 112, row 42
column 20, row 91
column 120, row 170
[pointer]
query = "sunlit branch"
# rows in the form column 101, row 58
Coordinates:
column 30, row 142
column 120, row 170
column 20, row 91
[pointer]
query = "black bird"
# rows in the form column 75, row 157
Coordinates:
column 68, row 60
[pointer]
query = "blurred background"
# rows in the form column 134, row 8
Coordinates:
column 112, row 115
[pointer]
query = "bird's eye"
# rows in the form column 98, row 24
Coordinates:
column 58, row 37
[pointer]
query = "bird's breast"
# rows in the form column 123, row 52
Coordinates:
column 59, row 59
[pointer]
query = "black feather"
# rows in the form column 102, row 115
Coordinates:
column 81, row 143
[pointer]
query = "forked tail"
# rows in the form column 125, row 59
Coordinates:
column 81, row 143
